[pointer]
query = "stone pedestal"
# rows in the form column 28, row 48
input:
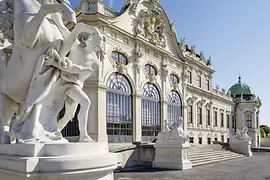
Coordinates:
column 80, row 161
column 172, row 155
column 241, row 146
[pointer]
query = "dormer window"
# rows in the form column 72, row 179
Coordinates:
column 119, row 58
column 173, row 79
column 150, row 70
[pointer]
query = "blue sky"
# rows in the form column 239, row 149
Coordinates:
column 235, row 33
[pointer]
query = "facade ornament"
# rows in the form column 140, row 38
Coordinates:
column 217, row 87
column 183, row 45
column 175, row 86
column 164, row 70
column 199, row 71
column 151, row 77
column 190, row 101
column 173, row 132
column 185, row 75
column 223, row 90
column 172, row 26
column 209, row 105
column 202, row 56
column 209, row 61
column 203, row 101
column 137, row 58
column 241, row 134
column 193, row 50
column 133, row 4
column 121, row 68
column 194, row 98
column 199, row 103
column 150, row 25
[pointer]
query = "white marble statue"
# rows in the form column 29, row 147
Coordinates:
column 173, row 132
column 241, row 134
column 48, row 67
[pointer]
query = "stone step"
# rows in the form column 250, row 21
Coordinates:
column 205, row 154
column 211, row 154
column 216, row 160
column 207, row 158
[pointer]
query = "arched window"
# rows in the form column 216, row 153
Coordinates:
column 150, row 70
column 119, row 57
column 151, row 114
column 173, row 79
column 174, row 109
column 119, row 109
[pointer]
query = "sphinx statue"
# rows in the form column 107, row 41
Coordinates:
column 173, row 132
column 47, row 69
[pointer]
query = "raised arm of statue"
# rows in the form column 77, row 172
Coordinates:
column 69, row 41
column 31, row 30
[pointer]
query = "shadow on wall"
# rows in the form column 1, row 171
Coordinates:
column 138, row 155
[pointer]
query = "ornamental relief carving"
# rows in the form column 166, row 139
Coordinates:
column 209, row 105
column 151, row 26
column 137, row 58
column 151, row 78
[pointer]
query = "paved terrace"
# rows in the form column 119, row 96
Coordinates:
column 254, row 168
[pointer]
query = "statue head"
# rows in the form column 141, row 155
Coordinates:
column 91, row 41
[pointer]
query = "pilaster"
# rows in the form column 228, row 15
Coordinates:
column 137, row 125
column 97, row 124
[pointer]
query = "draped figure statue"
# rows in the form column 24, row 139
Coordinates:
column 47, row 69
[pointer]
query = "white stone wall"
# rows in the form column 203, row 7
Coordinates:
column 265, row 142
column 120, row 37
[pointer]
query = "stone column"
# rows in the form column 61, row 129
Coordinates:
column 137, row 125
column 185, row 115
column 164, row 108
column 194, row 111
column 253, row 119
column 97, row 124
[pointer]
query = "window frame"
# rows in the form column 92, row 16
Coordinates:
column 199, row 81
column 119, row 60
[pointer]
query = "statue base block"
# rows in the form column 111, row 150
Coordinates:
column 80, row 161
column 241, row 146
column 172, row 155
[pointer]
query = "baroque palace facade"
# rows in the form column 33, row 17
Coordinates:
column 147, row 77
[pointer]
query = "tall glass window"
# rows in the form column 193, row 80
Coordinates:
column 228, row 120
column 190, row 118
column 199, row 81
column 151, row 113
column 248, row 121
column 233, row 122
column 189, row 77
column 207, row 85
column 215, row 118
column 208, row 118
column 174, row 107
column 221, row 119
column 72, row 128
column 119, row 109
column 199, row 113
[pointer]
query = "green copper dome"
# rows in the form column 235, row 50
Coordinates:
column 240, row 88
